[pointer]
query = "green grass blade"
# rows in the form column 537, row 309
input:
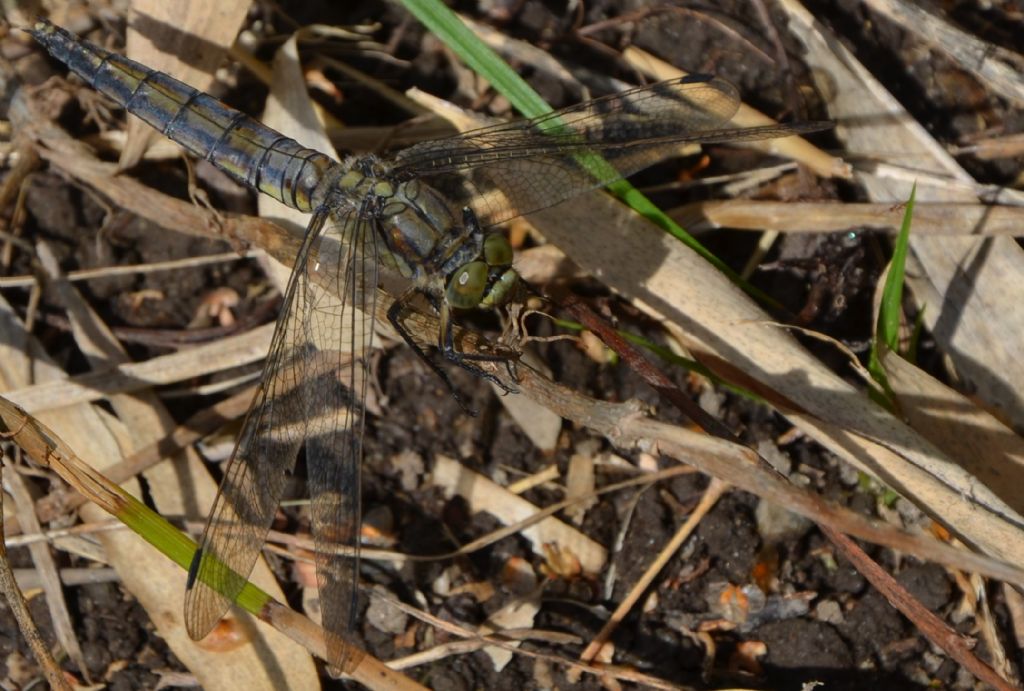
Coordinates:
column 891, row 306
column 48, row 450
column 177, row 546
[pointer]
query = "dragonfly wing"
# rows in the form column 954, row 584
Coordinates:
column 256, row 473
column 335, row 425
column 543, row 161
column 309, row 388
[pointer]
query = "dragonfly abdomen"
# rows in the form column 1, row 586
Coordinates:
column 248, row 151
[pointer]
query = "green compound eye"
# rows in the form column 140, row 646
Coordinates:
column 502, row 290
column 497, row 251
column 466, row 288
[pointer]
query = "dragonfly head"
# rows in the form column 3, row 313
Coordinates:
column 486, row 282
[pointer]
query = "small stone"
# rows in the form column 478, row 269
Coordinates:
column 829, row 612
column 384, row 616
column 777, row 524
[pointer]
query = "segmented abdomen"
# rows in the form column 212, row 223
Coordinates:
column 248, row 151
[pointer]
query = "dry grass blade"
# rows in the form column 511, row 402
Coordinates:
column 975, row 438
column 994, row 148
column 13, row 189
column 234, row 351
column 106, row 272
column 1015, row 607
column 16, row 602
column 29, row 578
column 192, row 430
column 517, row 51
column 549, row 473
column 935, row 218
column 998, row 67
column 46, row 567
column 539, row 424
column 47, row 450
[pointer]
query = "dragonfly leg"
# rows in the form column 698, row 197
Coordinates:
column 394, row 317
column 460, row 359
column 463, row 359
column 466, row 360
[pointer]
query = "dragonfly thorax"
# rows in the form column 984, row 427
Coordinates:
column 413, row 222
column 427, row 243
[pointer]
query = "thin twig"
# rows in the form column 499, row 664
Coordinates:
column 620, row 673
column 131, row 269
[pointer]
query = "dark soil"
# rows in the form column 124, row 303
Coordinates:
column 842, row 633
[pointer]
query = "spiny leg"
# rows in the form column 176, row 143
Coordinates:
column 394, row 313
column 394, row 317
column 466, row 360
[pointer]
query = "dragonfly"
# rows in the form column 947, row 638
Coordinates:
column 425, row 213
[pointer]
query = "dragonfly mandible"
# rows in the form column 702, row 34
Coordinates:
column 425, row 214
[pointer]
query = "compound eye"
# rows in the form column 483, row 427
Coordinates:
column 466, row 287
column 497, row 251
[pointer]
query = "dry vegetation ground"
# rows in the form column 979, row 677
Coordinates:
column 654, row 574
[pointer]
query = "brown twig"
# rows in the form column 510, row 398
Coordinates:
column 60, row 615
column 654, row 377
column 933, row 628
column 16, row 601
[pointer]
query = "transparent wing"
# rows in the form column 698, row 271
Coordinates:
column 313, row 389
column 540, row 162
column 334, row 447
